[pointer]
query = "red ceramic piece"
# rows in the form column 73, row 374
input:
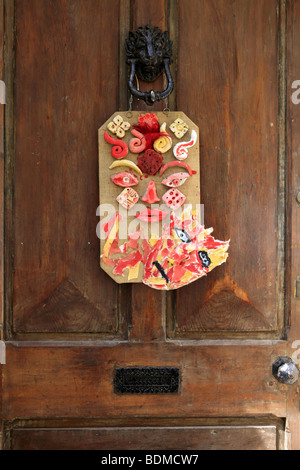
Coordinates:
column 174, row 198
column 150, row 162
column 154, row 215
column 150, row 195
column 138, row 144
column 176, row 163
column 124, row 179
column 119, row 149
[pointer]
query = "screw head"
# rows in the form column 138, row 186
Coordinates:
column 298, row 197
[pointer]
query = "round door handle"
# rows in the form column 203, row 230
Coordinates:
column 285, row 370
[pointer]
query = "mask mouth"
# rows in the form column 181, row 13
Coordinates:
column 154, row 215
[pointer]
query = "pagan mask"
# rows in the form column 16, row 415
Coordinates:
column 150, row 229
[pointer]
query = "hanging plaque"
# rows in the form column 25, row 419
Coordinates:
column 150, row 227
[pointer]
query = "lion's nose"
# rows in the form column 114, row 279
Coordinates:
column 150, row 51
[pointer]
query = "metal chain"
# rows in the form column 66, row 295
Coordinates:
column 129, row 112
column 166, row 110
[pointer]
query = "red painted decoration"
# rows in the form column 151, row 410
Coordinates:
column 120, row 148
column 138, row 144
column 148, row 215
column 175, row 163
column 150, row 195
column 150, row 162
column 124, row 179
column 147, row 132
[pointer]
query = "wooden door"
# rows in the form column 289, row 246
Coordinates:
column 67, row 326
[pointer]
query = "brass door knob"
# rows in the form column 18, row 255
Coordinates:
column 285, row 370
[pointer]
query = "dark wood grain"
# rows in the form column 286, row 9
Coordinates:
column 64, row 67
column 64, row 91
column 2, row 106
column 148, row 313
column 152, row 13
column 232, row 94
column 1, row 421
column 293, row 126
column 77, row 381
column 2, row 206
column 151, row 438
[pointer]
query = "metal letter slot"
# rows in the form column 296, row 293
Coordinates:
column 146, row 380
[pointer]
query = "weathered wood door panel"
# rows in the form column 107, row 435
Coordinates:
column 67, row 325
column 148, row 438
column 238, row 116
column 56, row 267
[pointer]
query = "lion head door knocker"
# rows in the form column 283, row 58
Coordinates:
column 150, row 225
column 149, row 54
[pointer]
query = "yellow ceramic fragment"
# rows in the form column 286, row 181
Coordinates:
column 205, row 234
column 187, row 276
column 133, row 271
column 118, row 126
column 164, row 142
column 128, row 163
column 179, row 127
column 153, row 240
column 111, row 237
column 156, row 280
column 218, row 256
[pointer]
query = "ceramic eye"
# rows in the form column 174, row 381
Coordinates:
column 175, row 180
column 124, row 179
column 183, row 235
column 204, row 258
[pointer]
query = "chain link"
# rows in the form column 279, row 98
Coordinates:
column 129, row 112
column 166, row 110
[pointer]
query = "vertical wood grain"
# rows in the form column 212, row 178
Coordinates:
column 124, row 28
column 2, row 107
column 147, row 320
column 152, row 13
column 9, row 59
column 231, row 91
column 293, row 127
column 64, row 91
column 172, row 27
column 1, row 407
column 2, row 206
column 68, row 81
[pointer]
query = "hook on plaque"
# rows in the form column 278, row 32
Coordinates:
column 149, row 54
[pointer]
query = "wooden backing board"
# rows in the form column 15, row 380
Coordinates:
column 109, row 192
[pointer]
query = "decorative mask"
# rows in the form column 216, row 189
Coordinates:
column 150, row 231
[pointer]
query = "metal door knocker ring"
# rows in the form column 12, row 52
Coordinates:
column 149, row 53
